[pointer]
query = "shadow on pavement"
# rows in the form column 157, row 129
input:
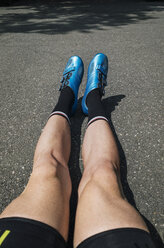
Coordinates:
column 74, row 167
column 109, row 104
column 76, row 123
column 60, row 17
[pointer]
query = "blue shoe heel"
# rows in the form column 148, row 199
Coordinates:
column 97, row 75
column 72, row 77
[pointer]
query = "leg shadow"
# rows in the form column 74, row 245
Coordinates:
column 154, row 234
column 109, row 104
column 74, row 167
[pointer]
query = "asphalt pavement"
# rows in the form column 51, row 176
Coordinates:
column 36, row 40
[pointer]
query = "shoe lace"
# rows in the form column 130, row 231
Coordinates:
column 102, row 83
column 65, row 80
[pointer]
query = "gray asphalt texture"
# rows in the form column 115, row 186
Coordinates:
column 36, row 41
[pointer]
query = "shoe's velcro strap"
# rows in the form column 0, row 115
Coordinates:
column 69, row 69
column 100, row 68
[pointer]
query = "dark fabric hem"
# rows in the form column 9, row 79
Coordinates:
column 111, row 232
column 19, row 221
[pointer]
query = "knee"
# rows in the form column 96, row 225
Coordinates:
column 45, row 165
column 48, row 169
column 104, row 175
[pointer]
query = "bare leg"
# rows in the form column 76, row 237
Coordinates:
column 101, row 204
column 46, row 197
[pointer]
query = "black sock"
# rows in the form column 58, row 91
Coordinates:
column 96, row 110
column 65, row 103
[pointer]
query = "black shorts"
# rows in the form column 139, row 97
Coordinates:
column 26, row 233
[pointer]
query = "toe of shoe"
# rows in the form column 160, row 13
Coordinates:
column 100, row 60
column 76, row 63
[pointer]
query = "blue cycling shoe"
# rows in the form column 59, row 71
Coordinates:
column 72, row 77
column 97, row 75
